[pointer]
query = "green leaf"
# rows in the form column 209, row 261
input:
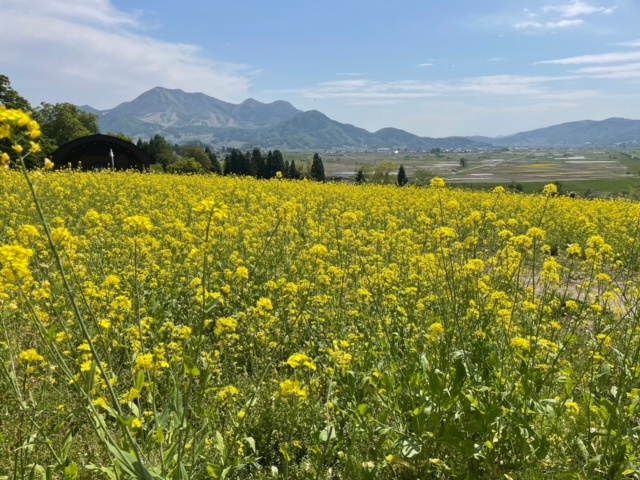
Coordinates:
column 91, row 378
column 603, row 378
column 363, row 409
column 190, row 367
column 328, row 433
column 159, row 435
column 38, row 468
column 66, row 446
column 251, row 442
column 140, row 380
column 108, row 471
column 220, row 443
column 410, row 448
column 461, row 375
column 71, row 472
column 569, row 386
column 213, row 471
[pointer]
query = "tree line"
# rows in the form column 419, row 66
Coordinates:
column 256, row 163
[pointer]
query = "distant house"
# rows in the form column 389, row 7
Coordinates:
column 94, row 152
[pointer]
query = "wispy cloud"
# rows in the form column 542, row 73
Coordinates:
column 531, row 25
column 358, row 91
column 621, row 65
column 615, row 72
column 633, row 44
column 65, row 51
column 425, row 65
column 615, row 57
column 577, row 8
column 551, row 18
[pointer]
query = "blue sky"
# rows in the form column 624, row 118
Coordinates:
column 456, row 67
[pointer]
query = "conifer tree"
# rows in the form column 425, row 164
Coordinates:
column 317, row 169
column 294, row 173
column 215, row 164
column 402, row 177
column 237, row 163
column 360, row 177
column 275, row 164
column 258, row 163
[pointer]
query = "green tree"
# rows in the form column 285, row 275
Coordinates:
column 184, row 166
column 422, row 177
column 258, row 163
column 274, row 164
column 559, row 187
column 199, row 155
column 294, row 173
column 121, row 136
column 63, row 122
column 382, row 172
column 464, row 162
column 360, row 177
column 237, row 163
column 11, row 98
column 317, row 169
column 215, row 164
column 401, row 179
column 160, row 150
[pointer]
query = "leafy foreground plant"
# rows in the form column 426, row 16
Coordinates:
column 159, row 326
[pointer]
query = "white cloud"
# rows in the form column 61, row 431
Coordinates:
column 615, row 72
column 577, row 8
column 623, row 65
column 364, row 90
column 425, row 65
column 557, row 17
column 68, row 51
column 548, row 25
column 615, row 57
column 634, row 44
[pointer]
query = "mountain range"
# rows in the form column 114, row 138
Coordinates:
column 187, row 117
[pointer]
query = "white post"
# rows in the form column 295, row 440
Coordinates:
column 113, row 165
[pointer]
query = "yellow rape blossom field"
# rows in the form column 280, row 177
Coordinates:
column 157, row 326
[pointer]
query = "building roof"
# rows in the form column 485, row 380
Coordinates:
column 94, row 152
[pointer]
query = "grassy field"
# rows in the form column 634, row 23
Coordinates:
column 602, row 172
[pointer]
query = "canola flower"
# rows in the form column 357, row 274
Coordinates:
column 275, row 320
column 301, row 360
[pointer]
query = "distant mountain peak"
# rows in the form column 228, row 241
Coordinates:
column 251, row 101
column 179, row 114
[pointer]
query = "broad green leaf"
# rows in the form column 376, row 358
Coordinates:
column 410, row 447
column 71, row 472
column 190, row 367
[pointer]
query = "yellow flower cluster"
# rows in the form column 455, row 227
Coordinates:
column 18, row 127
column 282, row 309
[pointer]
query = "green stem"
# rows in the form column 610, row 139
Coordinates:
column 76, row 309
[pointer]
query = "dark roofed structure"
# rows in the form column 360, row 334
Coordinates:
column 93, row 152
